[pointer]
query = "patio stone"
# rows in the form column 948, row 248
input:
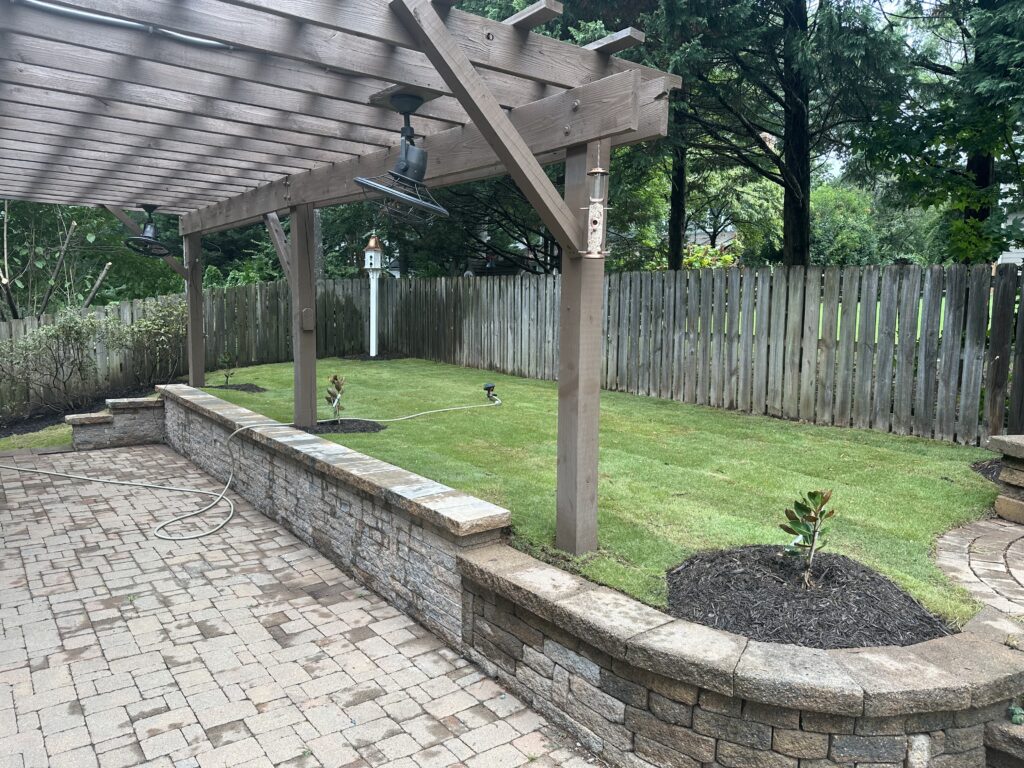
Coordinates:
column 246, row 648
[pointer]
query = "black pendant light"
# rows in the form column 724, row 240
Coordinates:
column 148, row 244
column 404, row 195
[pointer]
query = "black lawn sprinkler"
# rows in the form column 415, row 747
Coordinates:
column 489, row 389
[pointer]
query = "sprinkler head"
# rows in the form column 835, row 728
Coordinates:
column 489, row 389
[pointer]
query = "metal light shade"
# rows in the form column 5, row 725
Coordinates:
column 148, row 244
column 406, row 197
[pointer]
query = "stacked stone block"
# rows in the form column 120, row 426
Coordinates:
column 399, row 533
column 1010, row 502
column 126, row 422
column 636, row 718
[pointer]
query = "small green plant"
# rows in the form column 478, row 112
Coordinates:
column 335, row 389
column 1016, row 713
column 807, row 522
column 227, row 367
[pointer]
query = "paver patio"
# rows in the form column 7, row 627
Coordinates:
column 245, row 648
column 987, row 558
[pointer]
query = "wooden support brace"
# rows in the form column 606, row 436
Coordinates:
column 133, row 227
column 536, row 15
column 303, row 291
column 458, row 73
column 618, row 41
column 579, row 367
column 193, row 248
column 280, row 241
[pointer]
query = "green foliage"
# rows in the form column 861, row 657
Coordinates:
column 335, row 390
column 844, row 229
column 707, row 256
column 1016, row 713
column 153, row 345
column 807, row 522
column 227, row 367
column 53, row 366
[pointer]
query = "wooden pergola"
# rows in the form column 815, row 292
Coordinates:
column 228, row 112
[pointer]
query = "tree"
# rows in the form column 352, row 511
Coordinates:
column 772, row 86
column 953, row 140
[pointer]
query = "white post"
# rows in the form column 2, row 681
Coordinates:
column 374, row 263
column 374, row 280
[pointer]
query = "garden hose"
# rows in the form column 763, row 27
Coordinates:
column 159, row 532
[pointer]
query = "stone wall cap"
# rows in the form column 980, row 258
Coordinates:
column 88, row 419
column 797, row 677
column 133, row 403
column 1010, row 445
column 962, row 671
column 453, row 511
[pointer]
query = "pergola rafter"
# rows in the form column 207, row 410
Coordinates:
column 275, row 108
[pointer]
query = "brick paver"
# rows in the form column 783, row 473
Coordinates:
column 246, row 648
column 987, row 558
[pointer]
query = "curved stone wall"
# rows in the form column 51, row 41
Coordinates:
column 644, row 689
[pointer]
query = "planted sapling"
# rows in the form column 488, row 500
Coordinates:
column 335, row 389
column 807, row 523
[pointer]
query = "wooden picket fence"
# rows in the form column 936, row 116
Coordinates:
column 932, row 352
column 935, row 352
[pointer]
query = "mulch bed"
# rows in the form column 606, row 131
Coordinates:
column 988, row 468
column 251, row 388
column 346, row 427
column 758, row 592
column 40, row 421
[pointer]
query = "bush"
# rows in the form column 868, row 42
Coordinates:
column 153, row 345
column 703, row 256
column 53, row 367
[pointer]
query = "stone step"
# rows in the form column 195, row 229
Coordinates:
column 1004, row 742
column 87, row 419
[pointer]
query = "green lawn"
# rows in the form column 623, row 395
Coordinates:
column 674, row 478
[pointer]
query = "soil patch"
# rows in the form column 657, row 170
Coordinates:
column 758, row 592
column 39, row 421
column 251, row 388
column 346, row 427
column 988, row 468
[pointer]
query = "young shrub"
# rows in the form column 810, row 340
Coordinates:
column 335, row 389
column 153, row 346
column 227, row 367
column 807, row 523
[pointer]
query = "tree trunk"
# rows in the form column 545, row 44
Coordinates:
column 982, row 166
column 796, row 215
column 677, row 206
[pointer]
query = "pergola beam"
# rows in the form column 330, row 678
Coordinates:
column 608, row 107
column 60, row 127
column 252, row 75
column 302, row 282
column 618, row 41
column 280, row 242
column 536, row 15
column 490, row 119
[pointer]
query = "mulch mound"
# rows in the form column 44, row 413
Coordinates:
column 988, row 468
column 346, row 427
column 251, row 388
column 758, row 592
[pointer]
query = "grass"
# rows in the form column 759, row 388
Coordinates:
column 49, row 437
column 674, row 478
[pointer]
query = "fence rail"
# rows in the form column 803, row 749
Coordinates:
column 935, row 352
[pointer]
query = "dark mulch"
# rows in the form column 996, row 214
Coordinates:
column 251, row 388
column 758, row 592
column 346, row 427
column 988, row 468
column 39, row 421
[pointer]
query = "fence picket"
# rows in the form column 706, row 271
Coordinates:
column 950, row 352
column 866, row 342
column 906, row 347
column 809, row 343
column 973, row 360
column 997, row 366
column 885, row 348
column 823, row 407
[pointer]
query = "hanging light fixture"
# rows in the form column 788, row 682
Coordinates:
column 148, row 244
column 405, row 197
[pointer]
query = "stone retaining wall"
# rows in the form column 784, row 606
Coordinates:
column 643, row 689
column 127, row 421
column 397, row 532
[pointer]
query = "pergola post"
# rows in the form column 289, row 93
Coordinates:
column 579, row 366
column 302, row 281
column 193, row 251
